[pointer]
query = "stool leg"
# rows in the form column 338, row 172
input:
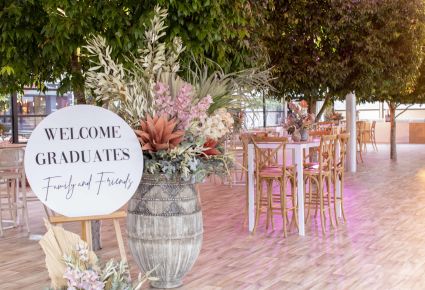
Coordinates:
column 258, row 204
column 294, row 202
column 309, row 198
column 269, row 192
column 1, row 218
column 15, row 202
column 374, row 142
column 335, row 198
column 271, row 202
column 320, row 195
column 342, row 196
column 245, row 221
column 24, row 201
column 283, row 206
column 328, row 187
column 9, row 202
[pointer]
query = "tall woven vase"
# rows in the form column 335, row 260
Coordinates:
column 165, row 228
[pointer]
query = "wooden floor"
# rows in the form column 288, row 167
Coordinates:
column 381, row 247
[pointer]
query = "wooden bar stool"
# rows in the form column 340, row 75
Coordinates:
column 12, row 171
column 361, row 127
column 268, row 169
column 373, row 135
column 339, row 169
column 317, row 177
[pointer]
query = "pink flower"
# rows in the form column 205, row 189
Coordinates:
column 86, row 280
column 303, row 104
column 183, row 106
column 161, row 89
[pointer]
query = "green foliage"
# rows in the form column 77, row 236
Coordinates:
column 4, row 102
column 40, row 40
column 330, row 48
column 21, row 60
column 302, row 42
column 397, row 32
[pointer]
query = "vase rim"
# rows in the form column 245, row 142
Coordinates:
column 160, row 177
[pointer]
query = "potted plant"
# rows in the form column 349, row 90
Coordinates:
column 181, row 125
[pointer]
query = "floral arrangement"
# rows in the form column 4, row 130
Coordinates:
column 334, row 116
column 299, row 119
column 81, row 274
column 181, row 123
column 72, row 266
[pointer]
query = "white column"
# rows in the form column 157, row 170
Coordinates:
column 350, row 103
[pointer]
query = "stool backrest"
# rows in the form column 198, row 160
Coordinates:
column 326, row 152
column 11, row 158
column 343, row 141
column 372, row 128
column 269, row 157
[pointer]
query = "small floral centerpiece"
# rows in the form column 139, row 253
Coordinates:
column 298, row 119
column 334, row 116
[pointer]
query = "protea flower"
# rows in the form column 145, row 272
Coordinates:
column 159, row 134
column 210, row 146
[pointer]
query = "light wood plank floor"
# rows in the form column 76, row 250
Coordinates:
column 381, row 246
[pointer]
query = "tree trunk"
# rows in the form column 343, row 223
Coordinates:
column 311, row 109
column 393, row 143
column 78, row 89
column 323, row 108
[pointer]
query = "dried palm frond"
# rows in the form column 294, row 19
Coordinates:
column 130, row 92
column 238, row 90
column 56, row 244
column 159, row 134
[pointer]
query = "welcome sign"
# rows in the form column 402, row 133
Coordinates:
column 83, row 161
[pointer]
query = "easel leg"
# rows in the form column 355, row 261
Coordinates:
column 83, row 231
column 88, row 235
column 119, row 239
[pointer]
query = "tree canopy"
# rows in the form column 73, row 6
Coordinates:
column 325, row 49
column 40, row 40
column 400, row 42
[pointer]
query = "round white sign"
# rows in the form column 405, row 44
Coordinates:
column 83, row 161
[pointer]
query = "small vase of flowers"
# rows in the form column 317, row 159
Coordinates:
column 334, row 117
column 298, row 122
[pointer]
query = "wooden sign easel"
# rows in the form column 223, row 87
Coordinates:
column 86, row 234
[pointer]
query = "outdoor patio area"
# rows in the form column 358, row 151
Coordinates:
column 380, row 247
